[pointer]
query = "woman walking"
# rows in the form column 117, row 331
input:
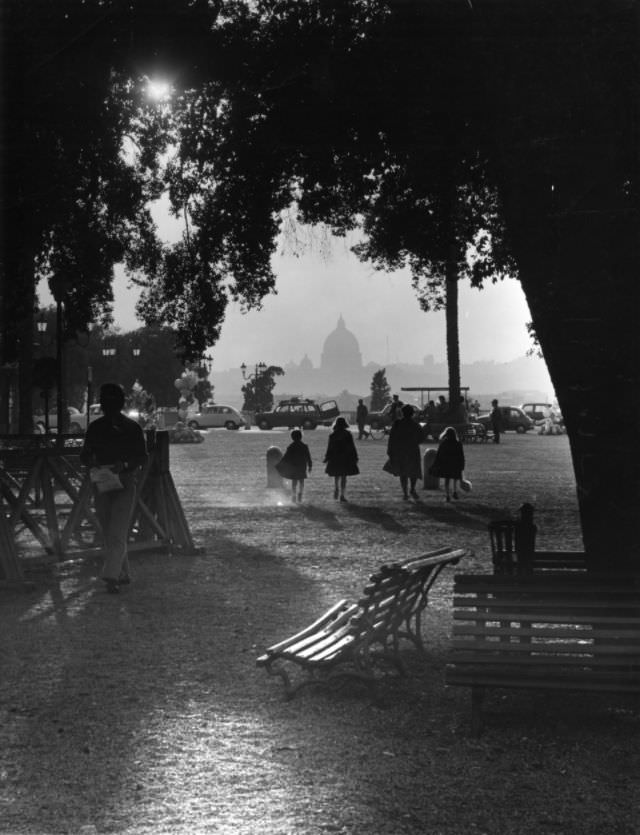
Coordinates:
column 403, row 450
column 449, row 461
column 341, row 457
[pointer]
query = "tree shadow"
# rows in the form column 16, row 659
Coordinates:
column 325, row 517
column 376, row 516
column 471, row 516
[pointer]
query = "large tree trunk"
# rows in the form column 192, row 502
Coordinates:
column 453, row 338
column 579, row 271
column 570, row 178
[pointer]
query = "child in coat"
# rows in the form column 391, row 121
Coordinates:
column 341, row 457
column 449, row 461
column 295, row 464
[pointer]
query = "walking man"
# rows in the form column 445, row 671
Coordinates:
column 362, row 413
column 496, row 421
column 114, row 449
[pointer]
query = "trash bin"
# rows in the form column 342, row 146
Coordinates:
column 274, row 479
column 430, row 482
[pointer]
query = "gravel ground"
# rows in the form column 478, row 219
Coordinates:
column 144, row 713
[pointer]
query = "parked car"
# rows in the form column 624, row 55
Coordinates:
column 77, row 421
column 513, row 420
column 547, row 418
column 541, row 411
column 299, row 413
column 216, row 417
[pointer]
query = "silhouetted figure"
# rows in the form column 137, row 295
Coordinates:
column 362, row 413
column 462, row 414
column 496, row 421
column 341, row 457
column 295, row 465
column 442, row 408
column 115, row 449
column 403, row 450
column 449, row 462
column 396, row 408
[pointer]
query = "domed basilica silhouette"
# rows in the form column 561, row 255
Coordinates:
column 341, row 352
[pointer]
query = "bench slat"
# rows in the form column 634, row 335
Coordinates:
column 527, row 605
column 575, row 631
column 563, row 618
column 468, row 652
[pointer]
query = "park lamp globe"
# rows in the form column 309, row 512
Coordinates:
column 158, row 89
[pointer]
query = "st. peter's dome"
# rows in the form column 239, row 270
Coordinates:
column 341, row 351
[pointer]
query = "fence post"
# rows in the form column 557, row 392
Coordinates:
column 430, row 482
column 274, row 479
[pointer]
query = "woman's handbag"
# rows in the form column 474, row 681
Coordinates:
column 465, row 485
column 105, row 479
column 389, row 468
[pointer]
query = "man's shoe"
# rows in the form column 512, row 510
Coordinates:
column 455, row 495
column 343, row 498
column 413, row 494
column 124, row 581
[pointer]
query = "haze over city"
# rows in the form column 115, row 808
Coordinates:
column 319, row 280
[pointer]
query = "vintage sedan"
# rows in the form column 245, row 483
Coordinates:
column 513, row 419
column 216, row 416
column 298, row 412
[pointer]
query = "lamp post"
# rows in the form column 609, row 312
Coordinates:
column 259, row 370
column 45, row 369
column 60, row 286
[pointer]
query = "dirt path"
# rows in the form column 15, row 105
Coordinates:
column 145, row 713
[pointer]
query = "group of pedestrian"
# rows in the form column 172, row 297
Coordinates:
column 404, row 458
column 341, row 459
column 114, row 451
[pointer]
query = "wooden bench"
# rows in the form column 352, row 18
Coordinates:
column 562, row 632
column 513, row 549
column 353, row 638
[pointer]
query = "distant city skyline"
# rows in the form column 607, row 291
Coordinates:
column 322, row 280
column 380, row 308
column 343, row 374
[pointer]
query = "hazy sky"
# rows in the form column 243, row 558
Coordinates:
column 325, row 281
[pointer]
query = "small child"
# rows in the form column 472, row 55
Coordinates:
column 294, row 465
column 449, row 461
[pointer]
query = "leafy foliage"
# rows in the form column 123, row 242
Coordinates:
column 380, row 390
column 258, row 391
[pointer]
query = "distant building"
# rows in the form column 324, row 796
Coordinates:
column 343, row 374
column 341, row 357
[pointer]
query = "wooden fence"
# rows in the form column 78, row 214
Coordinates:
column 46, row 503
